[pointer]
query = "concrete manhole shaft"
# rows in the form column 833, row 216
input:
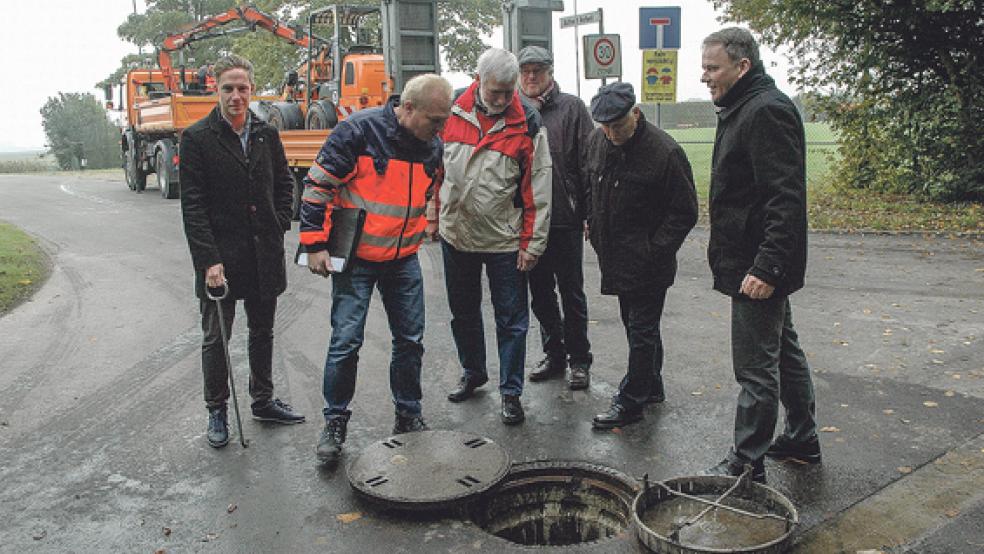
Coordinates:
column 557, row 503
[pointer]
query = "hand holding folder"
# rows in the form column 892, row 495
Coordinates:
column 343, row 239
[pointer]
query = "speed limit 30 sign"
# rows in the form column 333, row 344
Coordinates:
column 602, row 56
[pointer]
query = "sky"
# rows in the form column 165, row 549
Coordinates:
column 75, row 46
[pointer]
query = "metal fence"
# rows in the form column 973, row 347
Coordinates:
column 694, row 122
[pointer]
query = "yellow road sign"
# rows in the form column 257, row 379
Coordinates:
column 659, row 76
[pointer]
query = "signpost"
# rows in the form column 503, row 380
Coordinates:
column 583, row 19
column 659, row 71
column 659, row 28
column 602, row 56
column 659, row 39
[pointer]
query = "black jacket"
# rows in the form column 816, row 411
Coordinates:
column 236, row 209
column 568, row 125
column 758, row 188
column 642, row 205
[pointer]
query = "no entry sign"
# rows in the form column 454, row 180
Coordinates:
column 602, row 56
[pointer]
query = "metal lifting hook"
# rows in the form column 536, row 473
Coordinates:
column 225, row 350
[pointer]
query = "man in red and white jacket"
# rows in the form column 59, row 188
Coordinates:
column 493, row 209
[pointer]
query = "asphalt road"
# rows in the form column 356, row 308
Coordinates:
column 102, row 423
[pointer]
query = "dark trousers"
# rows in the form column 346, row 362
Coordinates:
column 401, row 286
column 259, row 320
column 770, row 367
column 463, row 278
column 560, row 269
column 641, row 313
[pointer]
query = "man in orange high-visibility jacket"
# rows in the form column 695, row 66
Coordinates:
column 386, row 160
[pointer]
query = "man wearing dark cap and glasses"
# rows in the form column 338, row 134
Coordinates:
column 642, row 204
column 564, row 337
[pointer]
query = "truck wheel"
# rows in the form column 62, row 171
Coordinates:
column 136, row 179
column 165, row 174
column 322, row 115
column 286, row 116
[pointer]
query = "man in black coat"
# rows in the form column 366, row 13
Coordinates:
column 757, row 251
column 560, row 267
column 236, row 205
column 642, row 206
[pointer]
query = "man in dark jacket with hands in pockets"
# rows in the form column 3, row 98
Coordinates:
column 642, row 206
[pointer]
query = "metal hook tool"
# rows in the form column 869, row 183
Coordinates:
column 225, row 350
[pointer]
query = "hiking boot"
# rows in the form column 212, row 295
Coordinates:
column 409, row 424
column 784, row 449
column 218, row 427
column 580, row 377
column 276, row 411
column 466, row 387
column 616, row 416
column 512, row 410
column 332, row 437
column 734, row 466
column 548, row 368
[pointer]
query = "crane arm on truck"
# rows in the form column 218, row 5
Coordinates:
column 215, row 26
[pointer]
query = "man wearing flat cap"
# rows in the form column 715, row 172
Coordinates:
column 564, row 337
column 642, row 204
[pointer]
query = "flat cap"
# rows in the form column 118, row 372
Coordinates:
column 612, row 102
column 535, row 54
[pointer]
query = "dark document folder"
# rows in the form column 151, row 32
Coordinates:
column 343, row 239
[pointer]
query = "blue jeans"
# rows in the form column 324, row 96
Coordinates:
column 401, row 286
column 463, row 277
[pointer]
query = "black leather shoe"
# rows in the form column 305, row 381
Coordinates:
column 548, row 368
column 276, row 411
column 332, row 437
column 466, row 387
column 409, row 424
column 735, row 466
column 580, row 377
column 218, row 427
column 658, row 394
column 512, row 410
column 616, row 416
column 785, row 449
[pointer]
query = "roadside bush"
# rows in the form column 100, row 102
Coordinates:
column 24, row 166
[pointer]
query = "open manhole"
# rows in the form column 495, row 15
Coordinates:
column 713, row 514
column 557, row 503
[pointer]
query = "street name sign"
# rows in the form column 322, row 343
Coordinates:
column 580, row 19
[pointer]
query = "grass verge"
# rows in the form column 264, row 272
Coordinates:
column 23, row 267
column 852, row 210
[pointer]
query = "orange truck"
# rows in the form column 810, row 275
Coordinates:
column 334, row 82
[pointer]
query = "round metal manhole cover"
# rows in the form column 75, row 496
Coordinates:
column 428, row 469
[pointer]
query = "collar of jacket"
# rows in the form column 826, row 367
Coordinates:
column 634, row 139
column 545, row 100
column 217, row 123
column 750, row 84
column 514, row 114
column 398, row 134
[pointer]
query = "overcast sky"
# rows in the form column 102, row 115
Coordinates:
column 53, row 46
